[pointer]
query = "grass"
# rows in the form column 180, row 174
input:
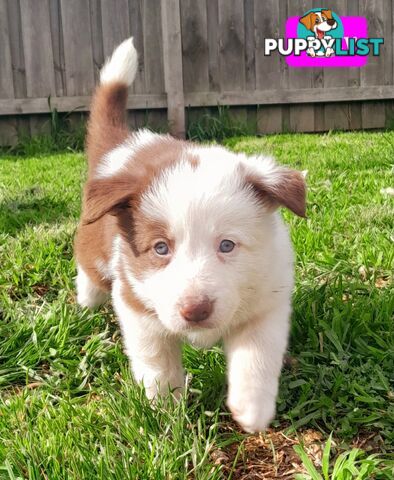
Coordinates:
column 68, row 406
column 218, row 125
column 64, row 134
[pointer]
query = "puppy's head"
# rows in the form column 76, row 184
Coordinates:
column 319, row 22
column 197, row 226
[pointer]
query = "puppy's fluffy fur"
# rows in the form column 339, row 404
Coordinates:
column 188, row 242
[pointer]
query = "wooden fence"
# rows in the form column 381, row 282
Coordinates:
column 192, row 53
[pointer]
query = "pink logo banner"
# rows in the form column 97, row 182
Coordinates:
column 354, row 28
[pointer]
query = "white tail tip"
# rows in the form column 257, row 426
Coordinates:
column 122, row 65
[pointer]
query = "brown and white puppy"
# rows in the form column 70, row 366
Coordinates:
column 187, row 240
column 320, row 23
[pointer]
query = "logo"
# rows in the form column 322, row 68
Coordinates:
column 320, row 38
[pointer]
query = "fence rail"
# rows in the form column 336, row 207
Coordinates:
column 192, row 53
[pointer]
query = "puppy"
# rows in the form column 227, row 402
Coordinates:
column 187, row 240
column 320, row 23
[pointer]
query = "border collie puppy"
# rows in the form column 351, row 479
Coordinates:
column 188, row 242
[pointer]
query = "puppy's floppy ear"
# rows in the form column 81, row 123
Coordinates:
column 277, row 186
column 327, row 13
column 308, row 20
column 103, row 196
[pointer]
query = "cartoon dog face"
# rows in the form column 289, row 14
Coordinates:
column 319, row 22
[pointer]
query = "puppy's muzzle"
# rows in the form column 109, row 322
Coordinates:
column 196, row 309
column 331, row 22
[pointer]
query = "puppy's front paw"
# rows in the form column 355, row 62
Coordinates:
column 329, row 52
column 157, row 384
column 311, row 52
column 253, row 414
column 164, row 388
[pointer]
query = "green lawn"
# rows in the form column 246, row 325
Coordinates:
column 69, row 408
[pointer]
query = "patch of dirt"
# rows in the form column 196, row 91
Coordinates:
column 370, row 442
column 270, row 455
column 40, row 289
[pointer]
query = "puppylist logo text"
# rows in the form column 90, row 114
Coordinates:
column 320, row 38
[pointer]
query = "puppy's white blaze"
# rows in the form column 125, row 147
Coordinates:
column 212, row 189
column 178, row 187
column 122, row 65
column 115, row 160
column 202, row 219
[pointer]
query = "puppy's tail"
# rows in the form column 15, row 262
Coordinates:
column 107, row 125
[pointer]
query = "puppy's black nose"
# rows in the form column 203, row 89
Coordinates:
column 196, row 309
column 331, row 22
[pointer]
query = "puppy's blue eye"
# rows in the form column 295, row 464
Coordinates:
column 161, row 248
column 226, row 246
